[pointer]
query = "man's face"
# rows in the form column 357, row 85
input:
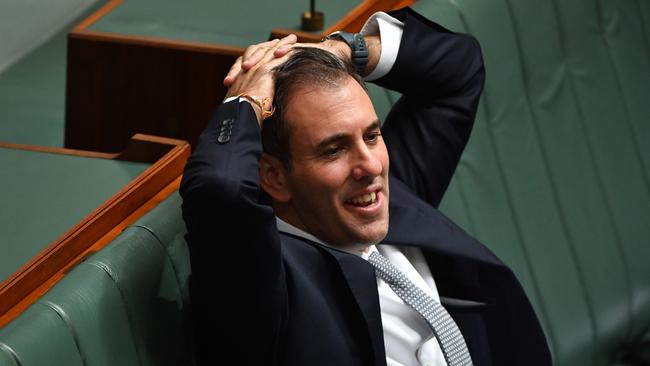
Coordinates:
column 338, row 182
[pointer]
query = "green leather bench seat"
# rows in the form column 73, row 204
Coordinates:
column 125, row 305
column 556, row 177
column 38, row 337
column 44, row 195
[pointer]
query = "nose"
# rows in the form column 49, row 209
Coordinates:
column 367, row 163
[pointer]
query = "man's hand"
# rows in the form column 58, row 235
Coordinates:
column 252, row 73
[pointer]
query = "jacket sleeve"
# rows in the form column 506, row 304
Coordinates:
column 233, row 240
column 440, row 75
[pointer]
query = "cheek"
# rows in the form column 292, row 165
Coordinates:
column 385, row 161
column 317, row 188
column 327, row 178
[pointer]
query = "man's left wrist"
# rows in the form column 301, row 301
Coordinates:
column 358, row 51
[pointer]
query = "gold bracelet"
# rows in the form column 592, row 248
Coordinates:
column 260, row 103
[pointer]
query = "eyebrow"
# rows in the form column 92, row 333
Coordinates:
column 374, row 125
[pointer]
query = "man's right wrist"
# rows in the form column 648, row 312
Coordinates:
column 240, row 99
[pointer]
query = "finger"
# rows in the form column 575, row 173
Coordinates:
column 235, row 69
column 275, row 61
column 252, row 48
column 284, row 45
column 283, row 50
column 289, row 39
column 254, row 54
column 254, row 58
column 285, row 42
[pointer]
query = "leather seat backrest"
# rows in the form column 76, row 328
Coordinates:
column 556, row 176
column 125, row 305
column 38, row 337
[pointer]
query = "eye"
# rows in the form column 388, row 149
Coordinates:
column 373, row 137
column 332, row 151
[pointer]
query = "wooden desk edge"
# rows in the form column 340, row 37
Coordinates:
column 27, row 284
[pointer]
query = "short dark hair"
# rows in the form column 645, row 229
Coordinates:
column 306, row 67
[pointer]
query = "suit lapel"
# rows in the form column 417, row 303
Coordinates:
column 415, row 223
column 360, row 278
column 360, row 275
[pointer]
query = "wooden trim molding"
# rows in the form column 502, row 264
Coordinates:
column 98, row 14
column 355, row 19
column 144, row 41
column 168, row 157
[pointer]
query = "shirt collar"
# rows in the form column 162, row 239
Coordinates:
column 286, row 227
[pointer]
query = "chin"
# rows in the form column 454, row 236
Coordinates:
column 374, row 235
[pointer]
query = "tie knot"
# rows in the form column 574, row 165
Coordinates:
column 376, row 259
column 387, row 270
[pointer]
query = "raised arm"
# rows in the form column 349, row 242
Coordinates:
column 233, row 240
column 440, row 75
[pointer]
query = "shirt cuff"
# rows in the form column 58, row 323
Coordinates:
column 390, row 31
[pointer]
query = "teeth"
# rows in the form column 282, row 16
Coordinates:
column 366, row 199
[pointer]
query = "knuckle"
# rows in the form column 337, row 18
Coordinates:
column 249, row 50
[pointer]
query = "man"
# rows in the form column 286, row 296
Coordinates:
column 282, row 240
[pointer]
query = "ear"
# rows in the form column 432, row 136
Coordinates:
column 273, row 178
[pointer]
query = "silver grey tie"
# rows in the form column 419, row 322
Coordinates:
column 444, row 328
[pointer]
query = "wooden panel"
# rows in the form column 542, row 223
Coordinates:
column 169, row 158
column 117, row 87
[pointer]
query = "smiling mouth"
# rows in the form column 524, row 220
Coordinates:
column 363, row 200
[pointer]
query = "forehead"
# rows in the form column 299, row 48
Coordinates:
column 316, row 113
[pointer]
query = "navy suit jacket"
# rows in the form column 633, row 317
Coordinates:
column 261, row 297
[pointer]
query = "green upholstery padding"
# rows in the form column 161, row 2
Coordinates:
column 236, row 23
column 169, row 229
column 39, row 337
column 126, row 305
column 382, row 99
column 555, row 178
column 141, row 267
column 6, row 356
column 44, row 195
column 93, row 309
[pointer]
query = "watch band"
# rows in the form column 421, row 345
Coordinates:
column 357, row 44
